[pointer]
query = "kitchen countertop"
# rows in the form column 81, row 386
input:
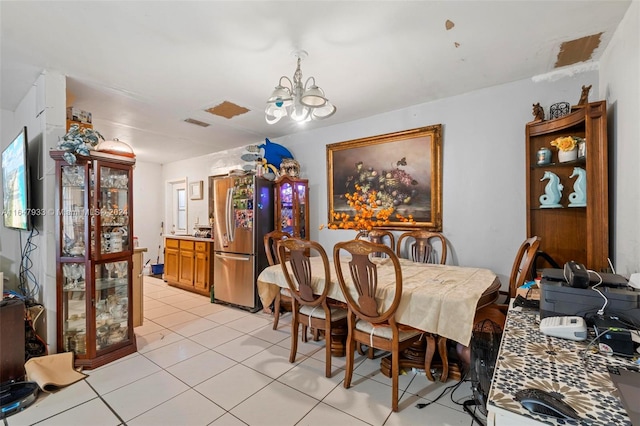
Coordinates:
column 188, row 237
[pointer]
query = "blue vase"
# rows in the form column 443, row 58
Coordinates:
column 544, row 156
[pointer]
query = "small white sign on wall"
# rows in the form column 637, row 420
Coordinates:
column 195, row 190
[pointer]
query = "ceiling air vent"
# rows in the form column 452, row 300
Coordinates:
column 227, row 110
column 197, row 122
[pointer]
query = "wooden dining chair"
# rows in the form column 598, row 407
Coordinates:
column 521, row 269
column 419, row 246
column 309, row 309
column 369, row 321
column 378, row 236
column 283, row 298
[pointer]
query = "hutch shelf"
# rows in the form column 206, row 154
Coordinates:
column 94, row 254
column 571, row 232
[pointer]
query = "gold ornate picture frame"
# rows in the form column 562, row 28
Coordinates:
column 404, row 167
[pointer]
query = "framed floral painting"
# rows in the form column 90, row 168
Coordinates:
column 404, row 168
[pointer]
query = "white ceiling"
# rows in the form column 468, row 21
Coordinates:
column 142, row 67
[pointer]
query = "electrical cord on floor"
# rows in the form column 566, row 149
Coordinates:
column 451, row 388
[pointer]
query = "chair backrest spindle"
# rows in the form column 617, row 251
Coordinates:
column 419, row 246
column 364, row 280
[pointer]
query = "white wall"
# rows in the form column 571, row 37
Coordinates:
column 620, row 86
column 43, row 112
column 148, row 207
column 483, row 157
column 199, row 169
column 483, row 164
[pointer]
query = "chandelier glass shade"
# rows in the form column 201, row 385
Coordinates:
column 300, row 102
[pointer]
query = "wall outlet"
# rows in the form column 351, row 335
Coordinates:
column 634, row 280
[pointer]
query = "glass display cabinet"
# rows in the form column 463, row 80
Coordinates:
column 94, row 253
column 292, row 211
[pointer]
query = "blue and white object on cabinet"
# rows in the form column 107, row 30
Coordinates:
column 578, row 198
column 552, row 192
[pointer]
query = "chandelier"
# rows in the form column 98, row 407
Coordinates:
column 301, row 103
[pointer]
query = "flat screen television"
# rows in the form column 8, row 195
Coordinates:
column 15, row 183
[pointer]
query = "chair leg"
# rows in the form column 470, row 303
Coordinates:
column 276, row 311
column 327, row 348
column 348, row 373
column 370, row 353
column 428, row 355
column 395, row 371
column 294, row 336
column 442, row 350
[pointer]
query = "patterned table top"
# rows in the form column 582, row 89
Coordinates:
column 529, row 359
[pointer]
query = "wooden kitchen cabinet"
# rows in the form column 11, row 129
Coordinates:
column 171, row 254
column 187, row 264
column 186, row 259
column 202, row 267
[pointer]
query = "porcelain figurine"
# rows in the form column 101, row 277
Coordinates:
column 552, row 192
column 578, row 198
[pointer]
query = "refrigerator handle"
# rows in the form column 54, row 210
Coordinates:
column 229, row 214
column 232, row 257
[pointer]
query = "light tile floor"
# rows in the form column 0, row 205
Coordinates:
column 207, row 364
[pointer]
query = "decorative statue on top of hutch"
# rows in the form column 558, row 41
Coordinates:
column 538, row 112
column 584, row 96
column 552, row 192
column 269, row 164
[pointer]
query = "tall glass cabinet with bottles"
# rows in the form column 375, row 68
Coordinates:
column 94, row 253
column 292, row 211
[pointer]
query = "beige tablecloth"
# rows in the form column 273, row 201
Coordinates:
column 439, row 299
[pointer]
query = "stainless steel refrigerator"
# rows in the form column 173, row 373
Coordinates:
column 243, row 213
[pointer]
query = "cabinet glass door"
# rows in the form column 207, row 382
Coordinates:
column 112, row 303
column 74, row 211
column 114, row 210
column 286, row 218
column 302, row 208
column 74, row 307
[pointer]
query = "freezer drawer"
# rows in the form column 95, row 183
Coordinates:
column 235, row 280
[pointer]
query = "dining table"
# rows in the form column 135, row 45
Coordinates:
column 437, row 299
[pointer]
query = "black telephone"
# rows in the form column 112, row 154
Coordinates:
column 576, row 274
